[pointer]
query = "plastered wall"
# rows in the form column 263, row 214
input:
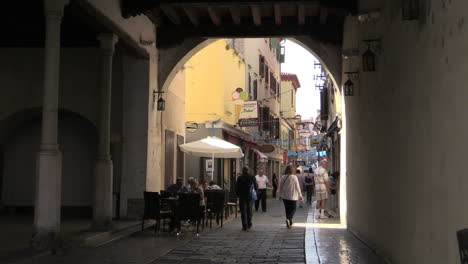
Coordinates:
column 407, row 126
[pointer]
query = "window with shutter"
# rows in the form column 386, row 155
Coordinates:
column 267, row 74
column 261, row 65
column 255, row 83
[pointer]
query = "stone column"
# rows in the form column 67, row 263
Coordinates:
column 103, row 170
column 49, row 160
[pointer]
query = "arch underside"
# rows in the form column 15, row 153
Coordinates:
column 172, row 59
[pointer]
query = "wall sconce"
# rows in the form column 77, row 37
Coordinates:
column 161, row 103
column 368, row 58
column 349, row 85
column 410, row 9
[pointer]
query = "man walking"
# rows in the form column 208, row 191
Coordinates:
column 243, row 186
column 321, row 189
column 262, row 181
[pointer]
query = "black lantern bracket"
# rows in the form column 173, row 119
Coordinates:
column 353, row 75
column 161, row 103
column 369, row 16
column 374, row 45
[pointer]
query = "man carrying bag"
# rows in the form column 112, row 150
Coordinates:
column 246, row 189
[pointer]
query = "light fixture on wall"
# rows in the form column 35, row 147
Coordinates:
column 349, row 84
column 410, row 9
column 369, row 58
column 161, row 103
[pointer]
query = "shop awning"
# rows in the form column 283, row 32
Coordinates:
column 333, row 128
column 259, row 153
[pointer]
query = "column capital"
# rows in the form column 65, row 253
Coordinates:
column 53, row 9
column 107, row 41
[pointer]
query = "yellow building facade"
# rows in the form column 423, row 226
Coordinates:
column 212, row 75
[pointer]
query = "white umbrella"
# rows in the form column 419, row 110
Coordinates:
column 212, row 147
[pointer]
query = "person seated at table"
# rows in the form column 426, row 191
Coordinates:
column 178, row 187
column 214, row 186
column 189, row 182
column 204, row 185
column 196, row 188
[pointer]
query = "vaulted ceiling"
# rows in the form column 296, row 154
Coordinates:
column 179, row 19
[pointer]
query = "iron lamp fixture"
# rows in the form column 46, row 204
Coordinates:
column 161, row 103
column 410, row 9
column 368, row 60
column 349, row 85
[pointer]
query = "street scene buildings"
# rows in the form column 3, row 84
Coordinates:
column 99, row 100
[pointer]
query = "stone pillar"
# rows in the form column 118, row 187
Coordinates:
column 49, row 160
column 103, row 170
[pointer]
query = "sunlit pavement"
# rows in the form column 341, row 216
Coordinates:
column 328, row 242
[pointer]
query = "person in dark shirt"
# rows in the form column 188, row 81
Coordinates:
column 244, row 181
column 177, row 187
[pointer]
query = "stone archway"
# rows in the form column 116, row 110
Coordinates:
column 173, row 58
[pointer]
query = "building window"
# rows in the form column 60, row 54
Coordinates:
column 261, row 65
column 267, row 74
column 255, row 83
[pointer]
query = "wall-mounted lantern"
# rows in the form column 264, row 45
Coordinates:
column 161, row 103
column 368, row 60
column 369, row 56
column 410, row 9
column 349, row 84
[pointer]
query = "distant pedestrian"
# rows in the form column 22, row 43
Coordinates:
column 309, row 184
column 245, row 183
column 262, row 182
column 321, row 189
column 275, row 184
column 289, row 192
column 300, row 178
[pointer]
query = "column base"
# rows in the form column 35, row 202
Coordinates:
column 44, row 239
column 102, row 213
column 48, row 198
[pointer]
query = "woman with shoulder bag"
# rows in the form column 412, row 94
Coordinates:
column 290, row 192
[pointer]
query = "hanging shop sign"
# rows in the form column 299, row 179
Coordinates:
column 249, row 114
column 266, row 148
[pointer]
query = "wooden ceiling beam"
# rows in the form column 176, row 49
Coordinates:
column 277, row 10
column 235, row 14
column 193, row 15
column 214, row 15
column 301, row 14
column 323, row 15
column 256, row 14
column 171, row 13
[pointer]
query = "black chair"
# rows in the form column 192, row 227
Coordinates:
column 216, row 204
column 188, row 208
column 462, row 236
column 232, row 203
column 153, row 210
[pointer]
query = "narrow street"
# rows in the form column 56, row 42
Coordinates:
column 269, row 241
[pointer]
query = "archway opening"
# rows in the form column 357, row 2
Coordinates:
column 204, row 81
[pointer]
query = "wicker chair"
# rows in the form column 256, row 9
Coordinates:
column 153, row 210
column 188, row 208
column 462, row 237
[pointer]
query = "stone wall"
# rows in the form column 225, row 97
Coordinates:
column 406, row 128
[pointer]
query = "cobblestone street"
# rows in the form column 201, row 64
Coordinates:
column 269, row 241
